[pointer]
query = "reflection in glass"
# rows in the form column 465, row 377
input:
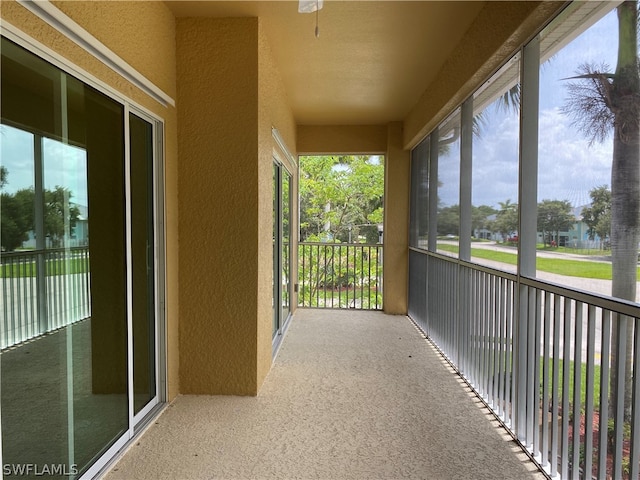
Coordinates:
column 64, row 392
column 17, row 179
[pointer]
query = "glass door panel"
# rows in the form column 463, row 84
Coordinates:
column 281, row 247
column 63, row 357
column 143, row 271
column 276, row 247
column 286, row 248
column 75, row 280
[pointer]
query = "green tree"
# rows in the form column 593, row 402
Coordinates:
column 3, row 176
column 16, row 218
column 554, row 216
column 602, row 102
column 598, row 215
column 449, row 220
column 17, row 212
column 60, row 215
column 341, row 195
column 506, row 222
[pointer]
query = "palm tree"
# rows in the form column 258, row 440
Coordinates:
column 600, row 102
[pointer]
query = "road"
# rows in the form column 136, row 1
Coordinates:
column 602, row 287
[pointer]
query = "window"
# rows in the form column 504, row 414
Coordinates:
column 496, row 131
column 575, row 169
column 418, row 236
column 448, row 222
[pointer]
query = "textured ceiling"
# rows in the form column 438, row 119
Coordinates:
column 371, row 62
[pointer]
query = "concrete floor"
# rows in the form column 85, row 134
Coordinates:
column 352, row 395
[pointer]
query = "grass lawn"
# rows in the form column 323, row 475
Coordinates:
column 54, row 267
column 583, row 381
column 572, row 268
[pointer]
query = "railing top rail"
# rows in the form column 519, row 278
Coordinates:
column 464, row 263
column 617, row 305
column 47, row 250
column 340, row 244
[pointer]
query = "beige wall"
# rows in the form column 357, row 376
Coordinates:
column 345, row 139
column 230, row 95
column 397, row 180
column 152, row 26
column 217, row 62
column 273, row 111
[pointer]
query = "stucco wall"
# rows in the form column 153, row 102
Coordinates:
column 397, row 179
column 273, row 111
column 230, row 96
column 217, row 63
column 346, row 139
column 153, row 54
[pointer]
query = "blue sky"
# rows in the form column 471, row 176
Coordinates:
column 568, row 166
column 64, row 165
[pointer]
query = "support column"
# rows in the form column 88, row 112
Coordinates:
column 219, row 183
column 466, row 142
column 527, row 232
column 396, row 222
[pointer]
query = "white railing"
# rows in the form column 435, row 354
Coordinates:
column 541, row 356
column 42, row 291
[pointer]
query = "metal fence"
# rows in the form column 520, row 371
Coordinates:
column 540, row 356
column 340, row 275
column 42, row 290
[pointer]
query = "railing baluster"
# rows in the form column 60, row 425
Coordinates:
column 555, row 400
column 536, row 407
column 566, row 372
column 340, row 275
column 577, row 389
column 508, row 385
column 324, row 276
column 42, row 291
column 618, row 430
column 531, row 382
column 634, row 457
column 590, row 390
column 501, row 348
column 603, row 426
column 544, row 459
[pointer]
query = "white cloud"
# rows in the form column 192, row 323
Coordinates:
column 568, row 168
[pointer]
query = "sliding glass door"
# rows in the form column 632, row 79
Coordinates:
column 281, row 248
column 79, row 269
column 143, row 265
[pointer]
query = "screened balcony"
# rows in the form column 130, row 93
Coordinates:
column 352, row 394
